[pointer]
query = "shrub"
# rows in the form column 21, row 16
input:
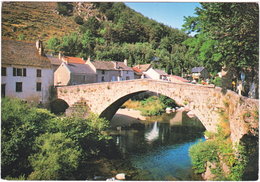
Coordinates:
column 217, row 81
column 201, row 153
column 20, row 126
column 79, row 20
column 57, row 158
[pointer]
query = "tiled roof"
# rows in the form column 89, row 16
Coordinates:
column 22, row 53
column 179, row 78
column 103, row 65
column 197, row 69
column 137, row 70
column 74, row 60
column 54, row 60
column 110, row 65
column 122, row 66
column 160, row 72
column 80, row 68
column 143, row 67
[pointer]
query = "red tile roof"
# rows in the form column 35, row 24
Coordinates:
column 137, row 70
column 179, row 78
column 75, row 60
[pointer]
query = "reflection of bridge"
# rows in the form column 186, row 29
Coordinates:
column 206, row 101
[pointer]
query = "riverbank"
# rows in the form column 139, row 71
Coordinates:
column 126, row 116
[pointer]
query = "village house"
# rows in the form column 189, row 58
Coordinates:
column 73, row 71
column 26, row 72
column 199, row 73
column 108, row 71
column 140, row 69
column 156, row 74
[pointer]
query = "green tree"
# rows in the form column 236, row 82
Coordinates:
column 20, row 125
column 235, row 28
column 57, row 158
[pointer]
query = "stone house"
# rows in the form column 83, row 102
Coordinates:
column 140, row 69
column 108, row 71
column 26, row 71
column 199, row 73
column 156, row 74
column 73, row 71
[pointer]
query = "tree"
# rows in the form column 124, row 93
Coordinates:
column 235, row 28
column 21, row 124
column 57, row 158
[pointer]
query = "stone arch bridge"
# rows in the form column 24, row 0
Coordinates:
column 206, row 101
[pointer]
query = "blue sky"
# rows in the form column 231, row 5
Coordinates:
column 168, row 13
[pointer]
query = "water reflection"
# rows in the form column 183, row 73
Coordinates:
column 152, row 135
column 160, row 149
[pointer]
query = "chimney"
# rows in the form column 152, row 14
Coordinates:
column 116, row 65
column 39, row 47
column 60, row 55
column 125, row 62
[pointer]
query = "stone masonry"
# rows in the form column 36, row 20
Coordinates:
column 206, row 101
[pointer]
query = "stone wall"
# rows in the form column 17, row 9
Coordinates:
column 205, row 101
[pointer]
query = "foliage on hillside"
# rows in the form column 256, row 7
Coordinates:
column 37, row 145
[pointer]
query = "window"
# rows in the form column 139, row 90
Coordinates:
column 24, row 72
column 126, row 72
column 39, row 73
column 102, row 78
column 19, row 71
column 3, row 71
column 127, row 78
column 38, row 86
column 3, row 90
column 103, row 72
column 19, row 87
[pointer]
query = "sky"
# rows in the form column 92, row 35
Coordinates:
column 168, row 13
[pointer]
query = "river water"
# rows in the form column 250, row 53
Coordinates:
column 159, row 147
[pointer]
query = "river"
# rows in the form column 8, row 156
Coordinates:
column 159, row 146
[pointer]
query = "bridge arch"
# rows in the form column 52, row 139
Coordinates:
column 205, row 101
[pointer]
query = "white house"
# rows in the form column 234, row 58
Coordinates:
column 111, row 70
column 26, row 72
column 156, row 74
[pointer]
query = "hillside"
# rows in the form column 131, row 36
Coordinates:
column 33, row 20
column 105, row 31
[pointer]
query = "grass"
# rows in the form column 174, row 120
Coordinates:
column 34, row 20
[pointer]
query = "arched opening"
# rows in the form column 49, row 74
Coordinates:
column 110, row 111
column 58, row 106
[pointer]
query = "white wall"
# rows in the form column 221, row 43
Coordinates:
column 151, row 73
column 29, row 84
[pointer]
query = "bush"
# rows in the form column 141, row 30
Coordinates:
column 79, row 20
column 201, row 153
column 217, row 81
column 57, row 158
column 64, row 8
column 20, row 126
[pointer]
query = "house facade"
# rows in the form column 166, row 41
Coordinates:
column 108, row 71
column 74, row 74
column 140, row 69
column 156, row 74
column 26, row 73
column 199, row 73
